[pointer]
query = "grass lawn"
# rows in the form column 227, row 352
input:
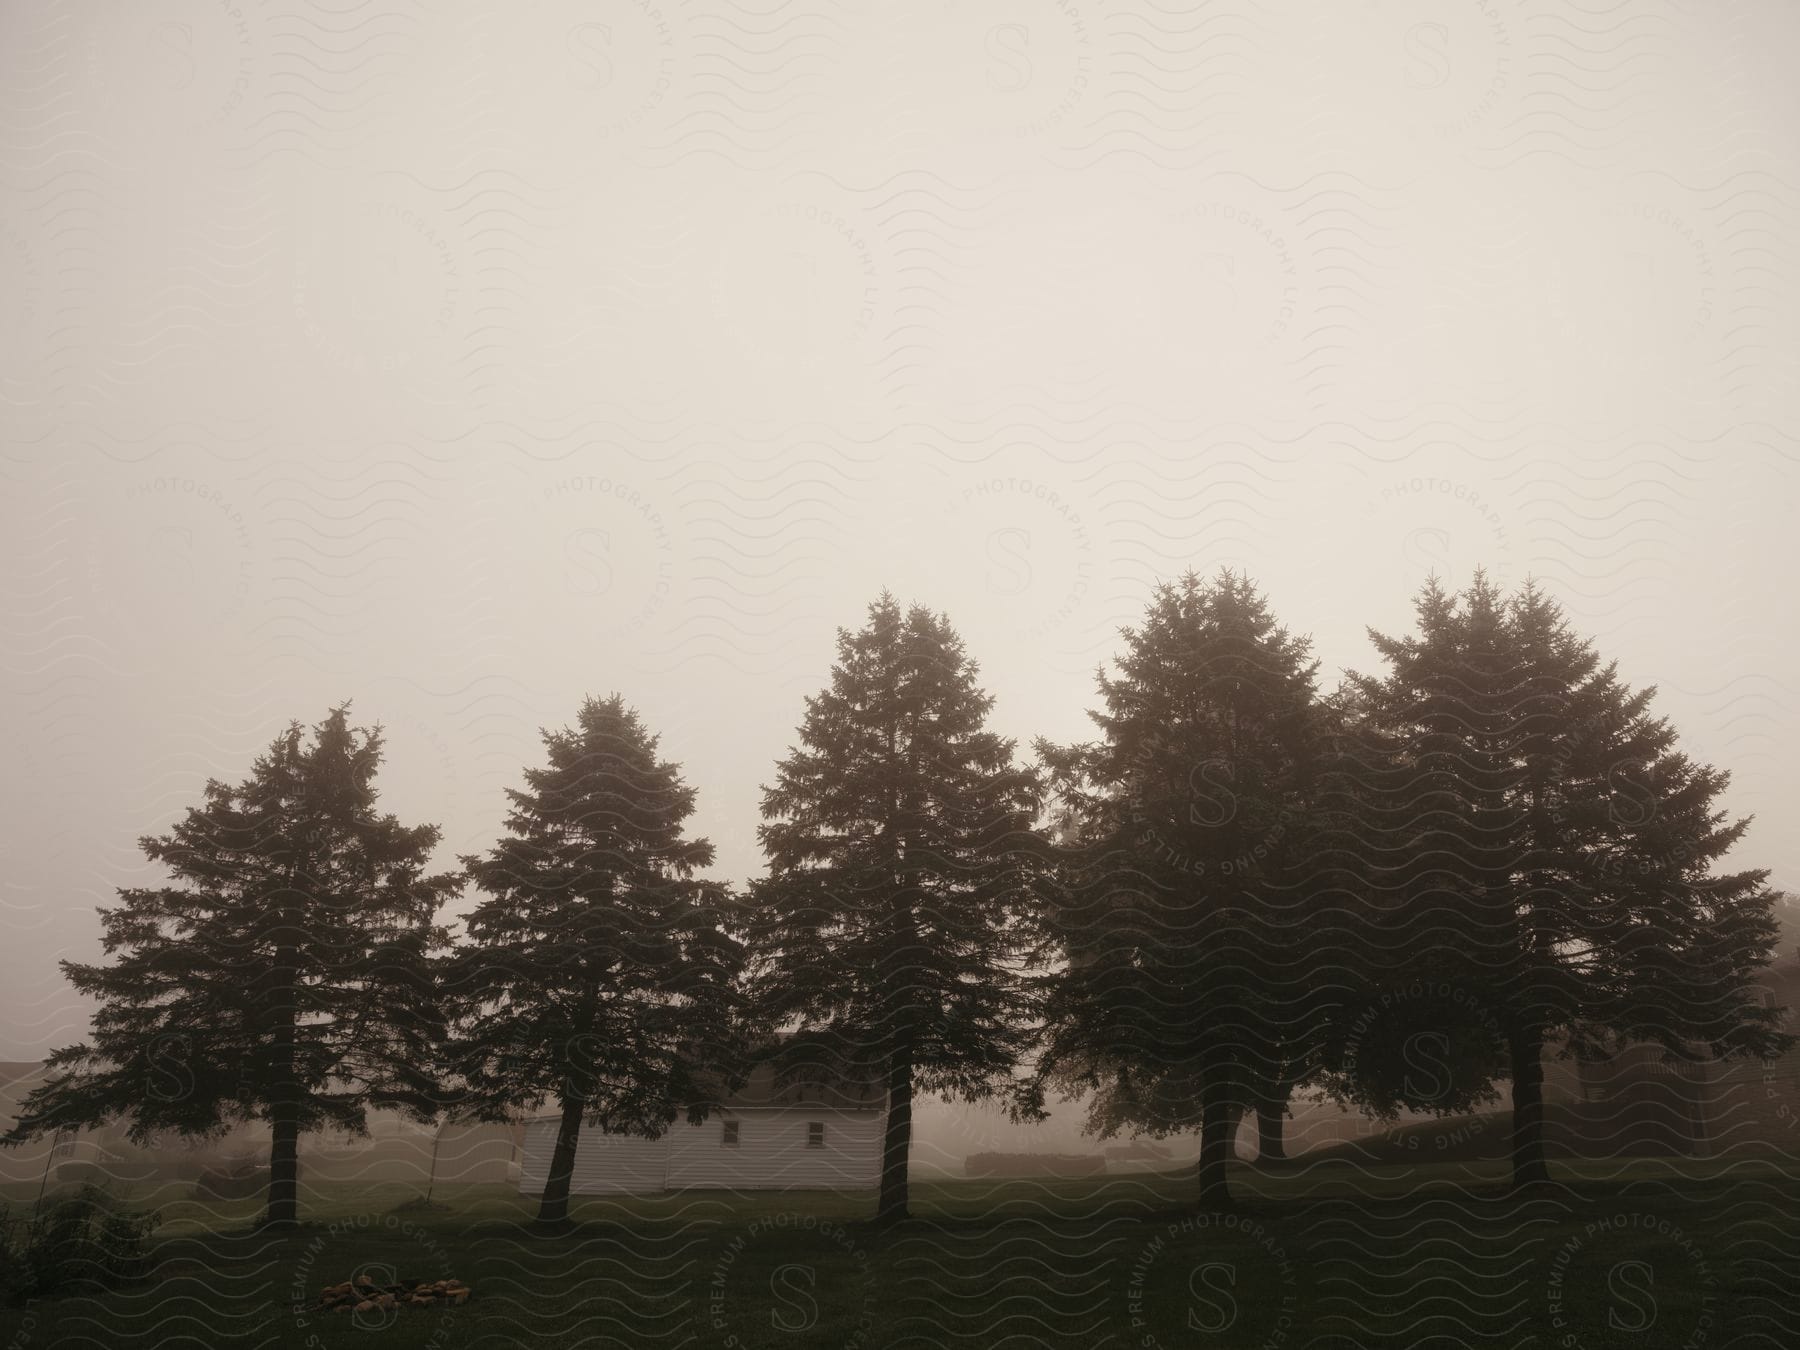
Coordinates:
column 1335, row 1254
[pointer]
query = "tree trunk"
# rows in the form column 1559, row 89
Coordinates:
column 437, row 1139
column 285, row 1095
column 284, row 1167
column 896, row 1147
column 554, row 1207
column 1527, row 1046
column 1271, row 1123
column 1216, row 1122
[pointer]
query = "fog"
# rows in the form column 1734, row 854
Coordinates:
column 462, row 360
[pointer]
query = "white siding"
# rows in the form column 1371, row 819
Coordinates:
column 772, row 1154
column 605, row 1164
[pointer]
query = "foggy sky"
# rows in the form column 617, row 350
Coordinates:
column 465, row 359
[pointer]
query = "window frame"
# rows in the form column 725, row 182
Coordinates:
column 815, row 1134
column 730, row 1136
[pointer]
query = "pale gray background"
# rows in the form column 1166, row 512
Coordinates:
column 464, row 359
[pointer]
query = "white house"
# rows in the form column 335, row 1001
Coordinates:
column 797, row 1129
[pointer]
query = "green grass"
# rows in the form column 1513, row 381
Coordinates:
column 1323, row 1254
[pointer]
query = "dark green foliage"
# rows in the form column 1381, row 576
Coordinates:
column 1195, row 920
column 80, row 1243
column 599, row 972
column 1424, row 1049
column 901, row 850
column 282, row 977
column 1544, row 853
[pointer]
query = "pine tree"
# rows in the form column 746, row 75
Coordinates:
column 283, row 976
column 900, row 846
column 1425, row 820
column 599, row 972
column 1553, row 851
column 1193, row 908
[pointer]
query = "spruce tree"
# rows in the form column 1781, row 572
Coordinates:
column 1192, row 912
column 1424, row 817
column 1551, row 851
column 599, row 973
column 283, row 976
column 900, row 848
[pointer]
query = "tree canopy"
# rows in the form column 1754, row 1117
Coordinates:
column 901, row 848
column 599, row 972
column 281, row 976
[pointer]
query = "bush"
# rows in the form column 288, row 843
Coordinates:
column 73, row 1244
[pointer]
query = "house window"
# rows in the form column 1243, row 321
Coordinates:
column 729, row 1137
column 815, row 1134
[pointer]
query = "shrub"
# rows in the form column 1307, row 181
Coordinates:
column 73, row 1244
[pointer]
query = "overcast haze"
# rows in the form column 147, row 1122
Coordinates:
column 463, row 360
